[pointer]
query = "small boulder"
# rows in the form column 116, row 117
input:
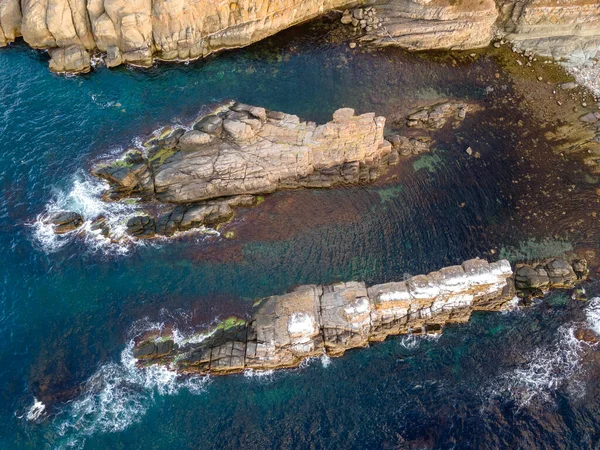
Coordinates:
column 568, row 86
column 194, row 139
column 580, row 268
column 239, row 131
column 210, row 124
column 561, row 273
column 142, row 227
column 526, row 277
column 346, row 18
column 66, row 221
column 586, row 335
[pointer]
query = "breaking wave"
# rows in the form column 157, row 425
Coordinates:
column 84, row 198
column 552, row 367
column 592, row 314
column 118, row 395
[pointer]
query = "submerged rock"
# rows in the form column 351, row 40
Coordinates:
column 312, row 320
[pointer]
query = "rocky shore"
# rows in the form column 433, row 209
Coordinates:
column 185, row 178
column 313, row 320
column 137, row 32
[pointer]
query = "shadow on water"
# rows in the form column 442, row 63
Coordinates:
column 67, row 315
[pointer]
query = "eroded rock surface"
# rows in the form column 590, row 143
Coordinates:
column 314, row 320
column 138, row 31
column 235, row 152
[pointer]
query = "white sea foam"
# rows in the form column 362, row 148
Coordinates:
column 546, row 370
column 512, row 305
column 118, row 395
column 325, row 360
column 592, row 314
column 36, row 411
column 84, row 197
column 260, row 375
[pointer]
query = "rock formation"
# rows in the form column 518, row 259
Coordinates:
column 190, row 177
column 315, row 320
column 137, row 31
column 247, row 150
column 434, row 24
column 559, row 29
column 186, row 178
column 562, row 30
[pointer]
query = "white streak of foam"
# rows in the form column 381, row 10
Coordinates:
column 85, row 198
column 592, row 314
column 118, row 395
column 36, row 411
column 546, row 370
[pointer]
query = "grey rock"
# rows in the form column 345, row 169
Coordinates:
column 212, row 124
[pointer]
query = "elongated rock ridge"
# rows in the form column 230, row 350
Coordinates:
column 138, row 31
column 314, row 320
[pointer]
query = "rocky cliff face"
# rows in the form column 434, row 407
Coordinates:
column 554, row 28
column 435, row 24
column 314, row 320
column 137, row 31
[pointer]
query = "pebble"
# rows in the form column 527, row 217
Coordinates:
column 469, row 151
column 352, row 45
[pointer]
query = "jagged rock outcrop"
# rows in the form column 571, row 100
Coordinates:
column 313, row 320
column 534, row 280
column 247, row 150
column 233, row 153
column 559, row 29
column 138, row 31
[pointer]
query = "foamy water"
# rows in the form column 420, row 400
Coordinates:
column 84, row 197
column 118, row 395
column 552, row 367
column 592, row 314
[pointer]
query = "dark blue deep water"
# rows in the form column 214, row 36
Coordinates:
column 69, row 308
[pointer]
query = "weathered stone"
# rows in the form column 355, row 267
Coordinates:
column 66, row 221
column 526, row 277
column 311, row 320
column 560, row 273
column 350, row 149
column 142, row 227
column 194, row 139
column 210, row 124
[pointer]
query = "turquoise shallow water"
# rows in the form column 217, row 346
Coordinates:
column 67, row 314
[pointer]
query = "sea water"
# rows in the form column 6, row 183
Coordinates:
column 71, row 306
